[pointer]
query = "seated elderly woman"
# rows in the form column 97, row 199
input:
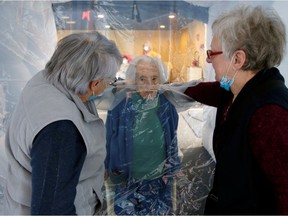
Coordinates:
column 142, row 149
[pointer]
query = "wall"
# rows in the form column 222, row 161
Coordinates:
column 281, row 8
column 178, row 48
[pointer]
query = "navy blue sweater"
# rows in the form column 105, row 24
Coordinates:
column 57, row 157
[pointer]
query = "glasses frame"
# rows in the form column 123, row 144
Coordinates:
column 211, row 53
column 112, row 83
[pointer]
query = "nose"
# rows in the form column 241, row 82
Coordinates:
column 150, row 82
column 150, row 85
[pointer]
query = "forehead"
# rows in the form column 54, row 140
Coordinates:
column 215, row 43
column 146, row 68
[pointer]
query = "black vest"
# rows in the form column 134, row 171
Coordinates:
column 240, row 187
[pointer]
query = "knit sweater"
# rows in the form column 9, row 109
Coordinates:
column 268, row 138
column 57, row 158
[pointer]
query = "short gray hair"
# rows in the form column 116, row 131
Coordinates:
column 259, row 32
column 81, row 58
column 131, row 70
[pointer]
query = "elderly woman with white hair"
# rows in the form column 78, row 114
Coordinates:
column 142, row 149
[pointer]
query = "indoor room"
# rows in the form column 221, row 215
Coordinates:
column 178, row 32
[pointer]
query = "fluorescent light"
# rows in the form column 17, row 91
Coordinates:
column 70, row 22
column 162, row 26
column 171, row 16
column 65, row 17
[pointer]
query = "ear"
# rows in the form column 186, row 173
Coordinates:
column 239, row 59
column 93, row 84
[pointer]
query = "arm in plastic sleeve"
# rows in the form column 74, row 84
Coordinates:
column 175, row 94
column 111, row 96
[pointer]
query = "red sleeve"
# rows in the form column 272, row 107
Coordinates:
column 205, row 92
column 269, row 140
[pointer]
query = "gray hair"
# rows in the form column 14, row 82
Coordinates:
column 81, row 58
column 131, row 70
column 259, row 32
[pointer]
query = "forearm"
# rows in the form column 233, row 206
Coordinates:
column 205, row 92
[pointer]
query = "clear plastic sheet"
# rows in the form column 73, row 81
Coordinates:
column 189, row 184
column 141, row 104
column 29, row 31
column 190, row 187
column 28, row 37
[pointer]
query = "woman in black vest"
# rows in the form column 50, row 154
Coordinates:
column 250, row 138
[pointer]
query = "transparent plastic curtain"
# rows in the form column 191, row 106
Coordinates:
column 28, row 37
column 149, row 170
column 188, row 185
column 29, row 31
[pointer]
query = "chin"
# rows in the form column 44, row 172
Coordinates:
column 217, row 79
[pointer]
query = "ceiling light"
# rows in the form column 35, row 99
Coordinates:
column 171, row 16
column 100, row 16
column 65, row 17
column 162, row 26
column 107, row 26
column 70, row 22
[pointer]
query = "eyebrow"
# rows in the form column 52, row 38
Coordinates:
column 148, row 76
column 141, row 76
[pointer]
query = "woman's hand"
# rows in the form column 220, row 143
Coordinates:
column 165, row 179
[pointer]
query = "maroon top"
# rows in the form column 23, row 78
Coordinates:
column 268, row 138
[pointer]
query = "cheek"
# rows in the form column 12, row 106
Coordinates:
column 219, row 71
column 137, row 83
column 101, row 89
column 141, row 88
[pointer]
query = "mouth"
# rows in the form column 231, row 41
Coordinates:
column 149, row 94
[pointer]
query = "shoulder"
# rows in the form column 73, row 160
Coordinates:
column 62, row 132
column 270, row 120
column 164, row 101
column 60, row 126
column 271, row 112
column 166, row 105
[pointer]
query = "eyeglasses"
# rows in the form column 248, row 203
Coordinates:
column 112, row 82
column 210, row 53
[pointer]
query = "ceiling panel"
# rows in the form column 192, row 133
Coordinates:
column 126, row 15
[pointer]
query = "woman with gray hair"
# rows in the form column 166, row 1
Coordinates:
column 55, row 141
column 250, row 140
column 142, row 147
